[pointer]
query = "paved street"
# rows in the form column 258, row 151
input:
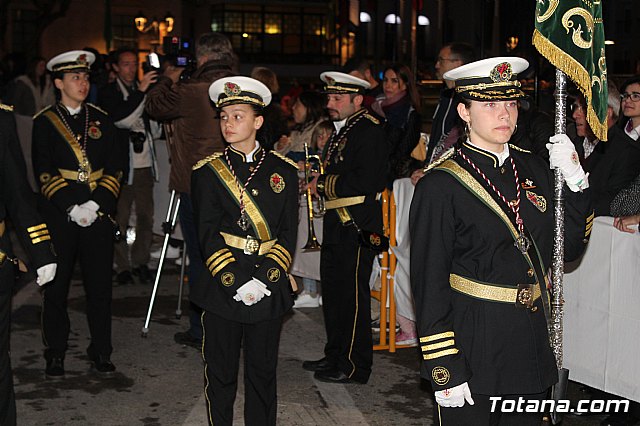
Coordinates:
column 159, row 382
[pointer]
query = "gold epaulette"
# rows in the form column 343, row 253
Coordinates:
column 98, row 108
column 371, row 118
column 448, row 154
column 206, row 160
column 287, row 159
column 6, row 107
column 41, row 111
column 517, row 148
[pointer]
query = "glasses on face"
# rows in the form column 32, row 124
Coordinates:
column 634, row 96
column 441, row 59
column 577, row 107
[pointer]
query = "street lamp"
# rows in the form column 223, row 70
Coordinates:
column 143, row 25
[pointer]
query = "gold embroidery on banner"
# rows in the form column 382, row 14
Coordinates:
column 576, row 37
column 541, row 17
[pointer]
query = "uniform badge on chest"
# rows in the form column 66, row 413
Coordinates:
column 277, row 183
column 537, row 200
column 94, row 131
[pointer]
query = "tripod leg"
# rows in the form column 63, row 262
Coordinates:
column 182, row 267
column 172, row 213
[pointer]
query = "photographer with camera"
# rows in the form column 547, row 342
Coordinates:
column 193, row 133
column 124, row 100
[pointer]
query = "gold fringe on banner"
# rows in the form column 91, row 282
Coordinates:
column 577, row 73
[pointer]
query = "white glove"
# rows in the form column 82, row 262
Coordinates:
column 46, row 273
column 251, row 292
column 563, row 155
column 454, row 397
column 93, row 207
column 82, row 216
column 90, row 205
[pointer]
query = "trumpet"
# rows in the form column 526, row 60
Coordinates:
column 312, row 241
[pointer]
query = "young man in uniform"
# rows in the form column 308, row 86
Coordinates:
column 354, row 158
column 79, row 168
column 16, row 201
column 245, row 203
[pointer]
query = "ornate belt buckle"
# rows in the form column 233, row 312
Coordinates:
column 524, row 296
column 252, row 245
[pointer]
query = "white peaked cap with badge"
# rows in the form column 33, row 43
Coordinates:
column 489, row 79
column 71, row 61
column 339, row 82
column 239, row 90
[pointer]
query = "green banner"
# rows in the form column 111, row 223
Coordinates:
column 570, row 34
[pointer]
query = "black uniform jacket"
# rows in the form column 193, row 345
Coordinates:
column 612, row 166
column 356, row 167
column 497, row 347
column 56, row 156
column 271, row 201
column 17, row 200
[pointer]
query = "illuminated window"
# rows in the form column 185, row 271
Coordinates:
column 233, row 22
column 272, row 23
column 252, row 22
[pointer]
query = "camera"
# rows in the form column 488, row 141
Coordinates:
column 152, row 63
column 137, row 139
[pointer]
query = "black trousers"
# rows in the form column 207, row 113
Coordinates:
column 93, row 248
column 480, row 414
column 221, row 350
column 7, row 397
column 346, row 304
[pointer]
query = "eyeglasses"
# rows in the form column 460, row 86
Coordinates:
column 441, row 59
column 634, row 96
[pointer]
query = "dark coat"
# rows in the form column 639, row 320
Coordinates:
column 52, row 151
column 274, row 191
column 612, row 166
column 356, row 167
column 496, row 347
column 17, row 201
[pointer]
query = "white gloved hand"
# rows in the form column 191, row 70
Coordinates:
column 563, row 155
column 90, row 205
column 93, row 208
column 80, row 215
column 251, row 292
column 454, row 397
column 46, row 273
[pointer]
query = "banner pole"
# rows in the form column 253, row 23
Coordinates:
column 557, row 266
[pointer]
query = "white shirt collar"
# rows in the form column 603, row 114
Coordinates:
column 632, row 132
column 249, row 156
column 73, row 111
column 339, row 124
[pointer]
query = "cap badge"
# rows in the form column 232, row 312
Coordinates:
column 231, row 89
column 82, row 59
column 501, row 72
column 330, row 80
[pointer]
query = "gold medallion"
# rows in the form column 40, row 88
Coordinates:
column 227, row 279
column 277, row 183
column 440, row 376
column 273, row 274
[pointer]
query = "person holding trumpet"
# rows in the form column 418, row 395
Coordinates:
column 246, row 209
